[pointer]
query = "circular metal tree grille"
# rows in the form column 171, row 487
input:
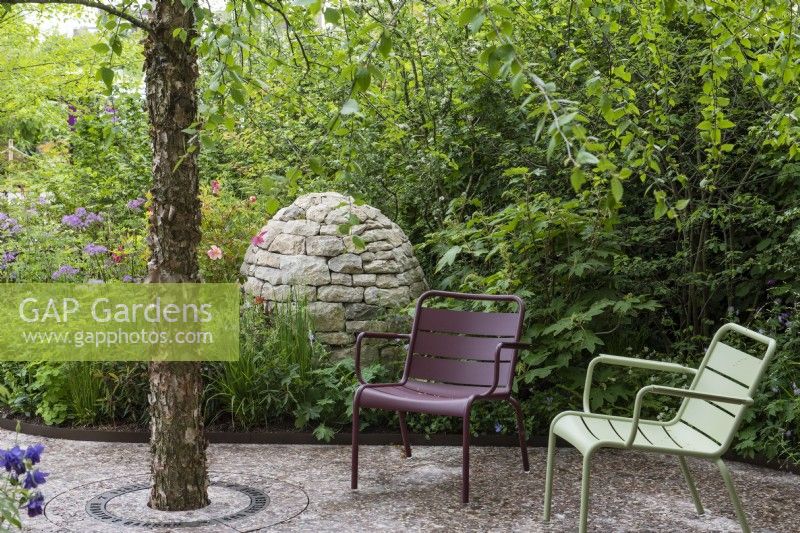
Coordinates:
column 239, row 502
column 97, row 507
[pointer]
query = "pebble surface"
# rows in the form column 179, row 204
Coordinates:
column 631, row 491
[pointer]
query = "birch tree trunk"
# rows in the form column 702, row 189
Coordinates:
column 179, row 470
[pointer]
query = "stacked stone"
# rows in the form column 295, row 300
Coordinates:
column 303, row 254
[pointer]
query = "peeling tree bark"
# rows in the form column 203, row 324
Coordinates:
column 179, row 470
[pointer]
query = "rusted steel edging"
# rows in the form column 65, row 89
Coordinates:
column 303, row 438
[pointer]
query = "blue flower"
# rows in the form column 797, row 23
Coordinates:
column 64, row 270
column 94, row 249
column 34, row 453
column 498, row 427
column 13, row 460
column 34, row 478
column 136, row 204
column 81, row 219
column 35, row 504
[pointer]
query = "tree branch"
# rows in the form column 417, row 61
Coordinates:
column 88, row 3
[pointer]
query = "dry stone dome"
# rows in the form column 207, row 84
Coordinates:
column 302, row 254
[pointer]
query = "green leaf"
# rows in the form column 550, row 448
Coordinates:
column 316, row 166
column 448, row 258
column 116, row 45
column 660, row 209
column 467, row 15
column 238, row 96
column 363, row 78
column 359, row 242
column 350, row 107
column 476, row 22
column 332, row 15
column 324, row 433
column 107, row 75
column 385, row 45
column 272, row 205
column 577, row 178
column 680, row 205
column 616, row 189
column 586, row 158
column 620, row 72
column 101, row 48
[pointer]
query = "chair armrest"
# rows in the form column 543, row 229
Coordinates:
column 682, row 393
column 630, row 362
column 372, row 335
column 500, row 347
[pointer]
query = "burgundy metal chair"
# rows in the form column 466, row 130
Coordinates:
column 455, row 358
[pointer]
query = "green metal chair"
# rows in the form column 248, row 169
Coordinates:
column 704, row 425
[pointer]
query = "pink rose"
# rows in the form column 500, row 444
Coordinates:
column 214, row 253
column 215, row 187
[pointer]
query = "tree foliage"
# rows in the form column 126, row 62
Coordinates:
column 630, row 168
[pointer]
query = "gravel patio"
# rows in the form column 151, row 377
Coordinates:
column 307, row 489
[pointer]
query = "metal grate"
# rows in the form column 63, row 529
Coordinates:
column 96, row 507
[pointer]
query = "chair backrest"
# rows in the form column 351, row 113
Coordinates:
column 458, row 347
column 728, row 371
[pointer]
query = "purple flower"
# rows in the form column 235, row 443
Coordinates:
column 72, row 118
column 42, row 200
column 92, row 218
column 136, row 204
column 783, row 319
column 34, row 478
column 9, row 257
column 73, row 221
column 111, row 110
column 64, row 270
column 81, row 218
column 94, row 249
column 498, row 427
column 9, row 224
column 13, row 460
column 34, row 453
column 35, row 504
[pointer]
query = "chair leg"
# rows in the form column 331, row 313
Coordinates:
column 584, row 517
column 687, row 475
column 737, row 504
column 465, row 460
column 523, row 445
column 548, row 481
column 404, row 433
column 354, row 444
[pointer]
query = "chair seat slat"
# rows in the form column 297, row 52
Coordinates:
column 469, row 322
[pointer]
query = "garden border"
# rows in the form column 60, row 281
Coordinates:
column 307, row 438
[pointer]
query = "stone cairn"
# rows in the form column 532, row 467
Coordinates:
column 307, row 251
